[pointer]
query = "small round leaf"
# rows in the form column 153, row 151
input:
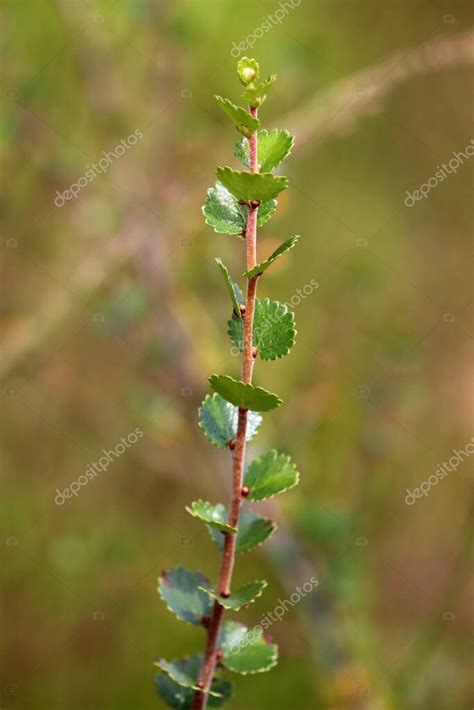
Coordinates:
column 252, row 532
column 225, row 215
column 184, row 673
column 272, row 147
column 218, row 420
column 211, row 515
column 244, row 395
column 270, row 474
column 274, row 329
column 180, row 590
column 178, row 697
column 246, row 651
column 242, row 597
column 251, row 186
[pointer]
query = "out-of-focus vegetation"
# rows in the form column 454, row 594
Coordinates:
column 113, row 314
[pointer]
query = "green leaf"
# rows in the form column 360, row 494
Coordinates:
column 242, row 597
column 223, row 213
column 242, row 151
column 272, row 148
column 248, row 70
column 180, row 590
column 230, row 286
column 273, row 329
column 252, row 93
column 246, row 651
column 184, row 673
column 238, row 293
column 179, row 698
column 211, row 515
column 251, row 186
column 239, row 115
column 282, row 249
column 252, row 532
column 243, row 395
column 265, row 211
column 270, row 474
column 218, row 420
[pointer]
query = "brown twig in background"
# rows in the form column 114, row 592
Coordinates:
column 91, row 274
column 336, row 110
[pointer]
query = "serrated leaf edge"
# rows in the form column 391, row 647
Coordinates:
column 248, row 61
column 282, row 490
column 230, row 285
column 254, row 387
column 273, row 528
column 264, row 130
column 262, row 87
column 268, row 215
column 292, row 331
column 223, row 602
column 292, row 142
column 168, row 672
column 252, row 124
column 227, row 234
column 269, row 261
column 280, row 179
column 158, row 589
column 224, row 527
column 201, row 425
column 272, row 664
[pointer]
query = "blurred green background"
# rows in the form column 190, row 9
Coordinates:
column 113, row 314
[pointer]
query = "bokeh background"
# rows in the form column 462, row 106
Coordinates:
column 113, row 314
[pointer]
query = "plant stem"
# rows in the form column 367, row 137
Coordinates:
column 238, row 457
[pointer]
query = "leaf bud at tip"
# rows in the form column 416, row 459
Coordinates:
column 248, row 70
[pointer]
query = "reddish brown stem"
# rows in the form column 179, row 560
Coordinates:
column 238, row 454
